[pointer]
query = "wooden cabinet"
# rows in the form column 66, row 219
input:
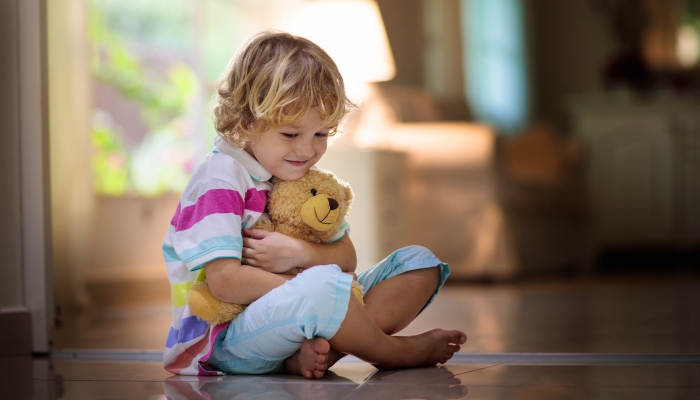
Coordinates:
column 643, row 172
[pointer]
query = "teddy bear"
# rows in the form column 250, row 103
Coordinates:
column 312, row 208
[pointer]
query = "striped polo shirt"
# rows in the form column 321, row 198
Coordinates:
column 227, row 193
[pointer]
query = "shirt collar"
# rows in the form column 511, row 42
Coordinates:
column 255, row 170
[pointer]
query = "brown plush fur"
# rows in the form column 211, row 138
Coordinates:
column 287, row 214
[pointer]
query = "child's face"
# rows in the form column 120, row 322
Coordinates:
column 288, row 152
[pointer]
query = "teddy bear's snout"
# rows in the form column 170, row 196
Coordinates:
column 332, row 203
column 320, row 212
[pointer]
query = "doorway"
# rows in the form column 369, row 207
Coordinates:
column 138, row 77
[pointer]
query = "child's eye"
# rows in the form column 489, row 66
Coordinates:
column 321, row 134
column 290, row 135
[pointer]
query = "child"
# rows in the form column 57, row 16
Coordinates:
column 278, row 102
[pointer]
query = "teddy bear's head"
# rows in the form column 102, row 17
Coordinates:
column 313, row 207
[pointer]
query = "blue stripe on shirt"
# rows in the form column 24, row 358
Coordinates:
column 169, row 254
column 207, row 246
column 191, row 328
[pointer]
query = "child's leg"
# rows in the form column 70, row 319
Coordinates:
column 298, row 314
column 413, row 270
column 306, row 312
column 386, row 304
column 391, row 308
column 360, row 336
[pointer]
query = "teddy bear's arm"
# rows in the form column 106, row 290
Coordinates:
column 303, row 233
column 264, row 224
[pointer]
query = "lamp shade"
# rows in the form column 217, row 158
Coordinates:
column 351, row 32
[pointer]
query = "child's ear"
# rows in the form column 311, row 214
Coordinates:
column 257, row 126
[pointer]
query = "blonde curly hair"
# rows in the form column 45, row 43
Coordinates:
column 273, row 80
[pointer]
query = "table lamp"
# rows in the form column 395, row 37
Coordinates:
column 353, row 34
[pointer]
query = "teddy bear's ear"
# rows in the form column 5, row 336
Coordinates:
column 348, row 194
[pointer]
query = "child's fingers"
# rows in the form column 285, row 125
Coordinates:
column 257, row 233
column 250, row 243
column 249, row 252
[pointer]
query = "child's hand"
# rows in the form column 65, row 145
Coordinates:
column 272, row 251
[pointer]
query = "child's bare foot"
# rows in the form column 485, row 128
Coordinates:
column 431, row 347
column 311, row 361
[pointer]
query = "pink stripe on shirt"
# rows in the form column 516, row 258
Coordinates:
column 215, row 201
column 255, row 200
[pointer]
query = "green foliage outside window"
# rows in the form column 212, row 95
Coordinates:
column 163, row 160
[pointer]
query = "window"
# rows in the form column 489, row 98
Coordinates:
column 495, row 62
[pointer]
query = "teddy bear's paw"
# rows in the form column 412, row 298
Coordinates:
column 294, row 271
column 202, row 303
column 227, row 312
column 264, row 224
column 358, row 291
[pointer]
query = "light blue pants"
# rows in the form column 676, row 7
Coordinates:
column 313, row 304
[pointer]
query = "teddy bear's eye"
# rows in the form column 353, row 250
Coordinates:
column 313, row 192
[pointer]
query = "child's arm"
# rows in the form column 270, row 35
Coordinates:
column 232, row 282
column 275, row 252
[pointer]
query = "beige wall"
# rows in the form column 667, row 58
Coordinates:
column 425, row 38
column 403, row 21
column 10, row 239
column 72, row 200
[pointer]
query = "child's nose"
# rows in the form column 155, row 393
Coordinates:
column 305, row 149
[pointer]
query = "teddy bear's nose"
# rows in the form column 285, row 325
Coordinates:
column 332, row 203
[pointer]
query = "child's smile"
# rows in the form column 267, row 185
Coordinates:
column 288, row 152
column 296, row 163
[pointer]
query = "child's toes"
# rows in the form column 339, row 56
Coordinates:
column 321, row 346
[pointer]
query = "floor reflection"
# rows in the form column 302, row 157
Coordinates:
column 38, row 379
column 419, row 383
column 653, row 314
column 605, row 314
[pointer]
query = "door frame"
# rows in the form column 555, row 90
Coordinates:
column 34, row 176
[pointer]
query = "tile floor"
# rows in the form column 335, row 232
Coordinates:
column 597, row 338
column 350, row 379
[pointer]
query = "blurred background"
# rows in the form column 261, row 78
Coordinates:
column 517, row 139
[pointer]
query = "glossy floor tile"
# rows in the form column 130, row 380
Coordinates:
column 625, row 337
column 627, row 314
column 584, row 382
column 127, row 327
column 648, row 314
column 46, row 379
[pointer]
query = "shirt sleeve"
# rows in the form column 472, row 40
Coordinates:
column 344, row 230
column 207, row 224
